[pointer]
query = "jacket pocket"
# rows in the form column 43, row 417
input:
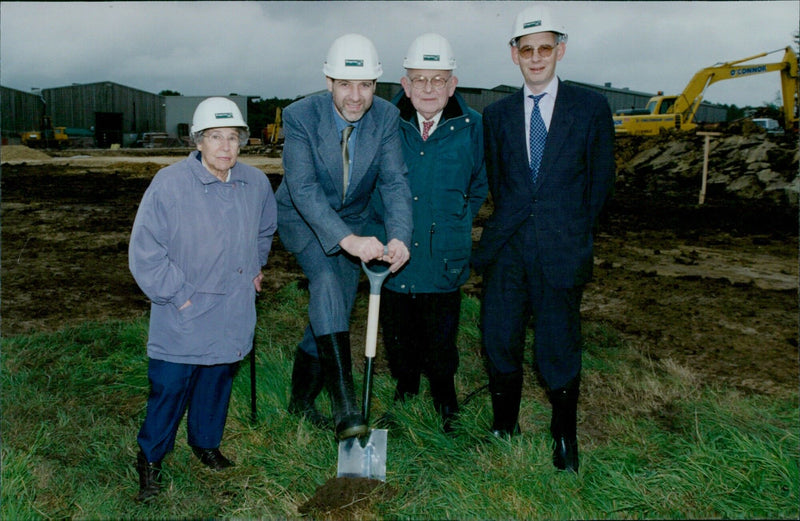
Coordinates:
column 451, row 246
column 201, row 305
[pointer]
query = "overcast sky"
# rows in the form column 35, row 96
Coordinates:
column 276, row 49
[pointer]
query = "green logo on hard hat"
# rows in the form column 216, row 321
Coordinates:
column 353, row 63
column 535, row 23
column 223, row 115
column 430, row 58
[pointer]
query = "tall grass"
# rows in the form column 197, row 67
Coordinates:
column 655, row 443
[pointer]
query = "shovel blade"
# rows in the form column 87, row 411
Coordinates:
column 363, row 458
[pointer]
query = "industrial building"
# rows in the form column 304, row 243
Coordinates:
column 117, row 114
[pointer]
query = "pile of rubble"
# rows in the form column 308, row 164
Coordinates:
column 742, row 168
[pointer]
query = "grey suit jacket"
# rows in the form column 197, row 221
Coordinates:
column 310, row 203
column 575, row 178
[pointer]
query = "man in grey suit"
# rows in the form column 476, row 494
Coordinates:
column 550, row 163
column 339, row 148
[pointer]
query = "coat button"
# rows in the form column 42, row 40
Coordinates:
column 422, row 153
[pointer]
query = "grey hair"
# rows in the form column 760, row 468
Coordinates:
column 244, row 136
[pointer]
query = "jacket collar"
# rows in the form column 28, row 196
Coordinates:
column 453, row 109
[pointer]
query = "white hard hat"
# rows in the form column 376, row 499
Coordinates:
column 217, row 112
column 536, row 19
column 430, row 51
column 352, row 57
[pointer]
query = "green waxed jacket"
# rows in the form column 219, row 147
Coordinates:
column 448, row 186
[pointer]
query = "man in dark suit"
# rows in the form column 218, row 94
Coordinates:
column 550, row 163
column 339, row 148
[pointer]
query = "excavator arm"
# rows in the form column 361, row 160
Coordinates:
column 678, row 112
column 689, row 100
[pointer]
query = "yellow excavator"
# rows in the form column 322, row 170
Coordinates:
column 678, row 112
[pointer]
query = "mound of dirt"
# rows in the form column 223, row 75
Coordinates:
column 342, row 498
column 21, row 153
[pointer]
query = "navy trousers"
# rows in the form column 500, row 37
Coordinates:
column 515, row 289
column 419, row 333
column 204, row 390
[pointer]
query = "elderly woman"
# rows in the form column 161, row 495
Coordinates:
column 202, row 233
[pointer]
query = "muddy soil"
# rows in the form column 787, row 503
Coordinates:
column 714, row 288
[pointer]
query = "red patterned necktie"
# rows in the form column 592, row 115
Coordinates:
column 426, row 127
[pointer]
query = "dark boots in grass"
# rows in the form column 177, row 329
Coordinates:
column 149, row 478
column 443, row 392
column 337, row 370
column 307, row 383
column 150, row 471
column 506, row 391
column 563, row 425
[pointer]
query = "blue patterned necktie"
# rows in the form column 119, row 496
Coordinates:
column 538, row 135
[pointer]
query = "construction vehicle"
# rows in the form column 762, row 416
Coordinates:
column 47, row 136
column 678, row 112
column 272, row 134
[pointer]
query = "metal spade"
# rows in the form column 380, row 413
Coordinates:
column 365, row 457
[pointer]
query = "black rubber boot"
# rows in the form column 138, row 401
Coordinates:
column 334, row 357
column 307, row 383
column 443, row 392
column 563, row 425
column 149, row 478
column 506, row 390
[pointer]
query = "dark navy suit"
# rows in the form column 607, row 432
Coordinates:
column 535, row 253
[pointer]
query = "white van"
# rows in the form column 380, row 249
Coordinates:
column 768, row 124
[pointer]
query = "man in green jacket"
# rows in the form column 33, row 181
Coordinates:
column 443, row 149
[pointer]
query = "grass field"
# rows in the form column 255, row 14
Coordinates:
column 656, row 443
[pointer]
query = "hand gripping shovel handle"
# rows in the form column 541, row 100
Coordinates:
column 376, row 278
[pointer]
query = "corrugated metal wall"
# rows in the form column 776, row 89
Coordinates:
column 19, row 111
column 77, row 105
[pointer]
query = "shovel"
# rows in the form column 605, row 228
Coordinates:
column 366, row 457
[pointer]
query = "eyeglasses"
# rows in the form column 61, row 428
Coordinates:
column 544, row 51
column 437, row 82
column 219, row 139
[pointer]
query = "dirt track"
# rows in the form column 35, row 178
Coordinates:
column 678, row 282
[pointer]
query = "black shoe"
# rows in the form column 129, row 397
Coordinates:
column 506, row 433
column 212, row 458
column 149, row 478
column 563, row 425
column 445, row 401
column 334, row 357
column 306, row 385
column 506, row 391
column 449, row 417
column 565, row 454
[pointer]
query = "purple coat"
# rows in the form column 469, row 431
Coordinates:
column 196, row 238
